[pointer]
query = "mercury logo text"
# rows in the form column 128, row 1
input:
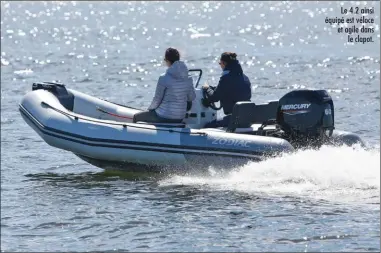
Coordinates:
column 295, row 106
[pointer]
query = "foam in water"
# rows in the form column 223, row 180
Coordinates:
column 331, row 173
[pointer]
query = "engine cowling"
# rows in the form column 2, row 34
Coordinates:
column 306, row 114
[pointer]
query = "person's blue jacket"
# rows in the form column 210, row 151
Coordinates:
column 234, row 86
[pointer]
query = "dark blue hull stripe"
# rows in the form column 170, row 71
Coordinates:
column 143, row 145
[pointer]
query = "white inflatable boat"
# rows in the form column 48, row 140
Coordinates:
column 102, row 132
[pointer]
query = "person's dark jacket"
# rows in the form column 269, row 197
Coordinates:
column 234, row 86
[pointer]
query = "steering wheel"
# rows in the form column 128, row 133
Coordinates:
column 211, row 104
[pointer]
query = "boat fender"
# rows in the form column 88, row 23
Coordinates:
column 347, row 138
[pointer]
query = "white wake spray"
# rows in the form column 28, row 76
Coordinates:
column 331, row 173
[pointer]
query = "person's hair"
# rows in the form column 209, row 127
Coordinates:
column 228, row 57
column 172, row 55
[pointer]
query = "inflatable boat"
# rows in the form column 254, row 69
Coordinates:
column 103, row 133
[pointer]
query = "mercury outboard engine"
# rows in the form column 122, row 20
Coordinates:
column 306, row 117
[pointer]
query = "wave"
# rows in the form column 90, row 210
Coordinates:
column 342, row 174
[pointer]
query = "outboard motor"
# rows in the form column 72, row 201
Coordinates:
column 306, row 117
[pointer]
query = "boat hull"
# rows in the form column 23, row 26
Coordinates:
column 128, row 143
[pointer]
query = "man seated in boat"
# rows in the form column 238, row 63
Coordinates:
column 234, row 86
column 174, row 89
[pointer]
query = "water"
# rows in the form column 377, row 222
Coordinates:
column 325, row 200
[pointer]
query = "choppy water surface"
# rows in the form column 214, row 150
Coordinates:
column 325, row 200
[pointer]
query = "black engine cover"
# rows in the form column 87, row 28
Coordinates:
column 306, row 113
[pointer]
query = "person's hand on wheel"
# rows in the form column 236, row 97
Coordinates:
column 205, row 102
column 205, row 86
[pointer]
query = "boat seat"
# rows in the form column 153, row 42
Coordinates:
column 246, row 114
column 168, row 125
